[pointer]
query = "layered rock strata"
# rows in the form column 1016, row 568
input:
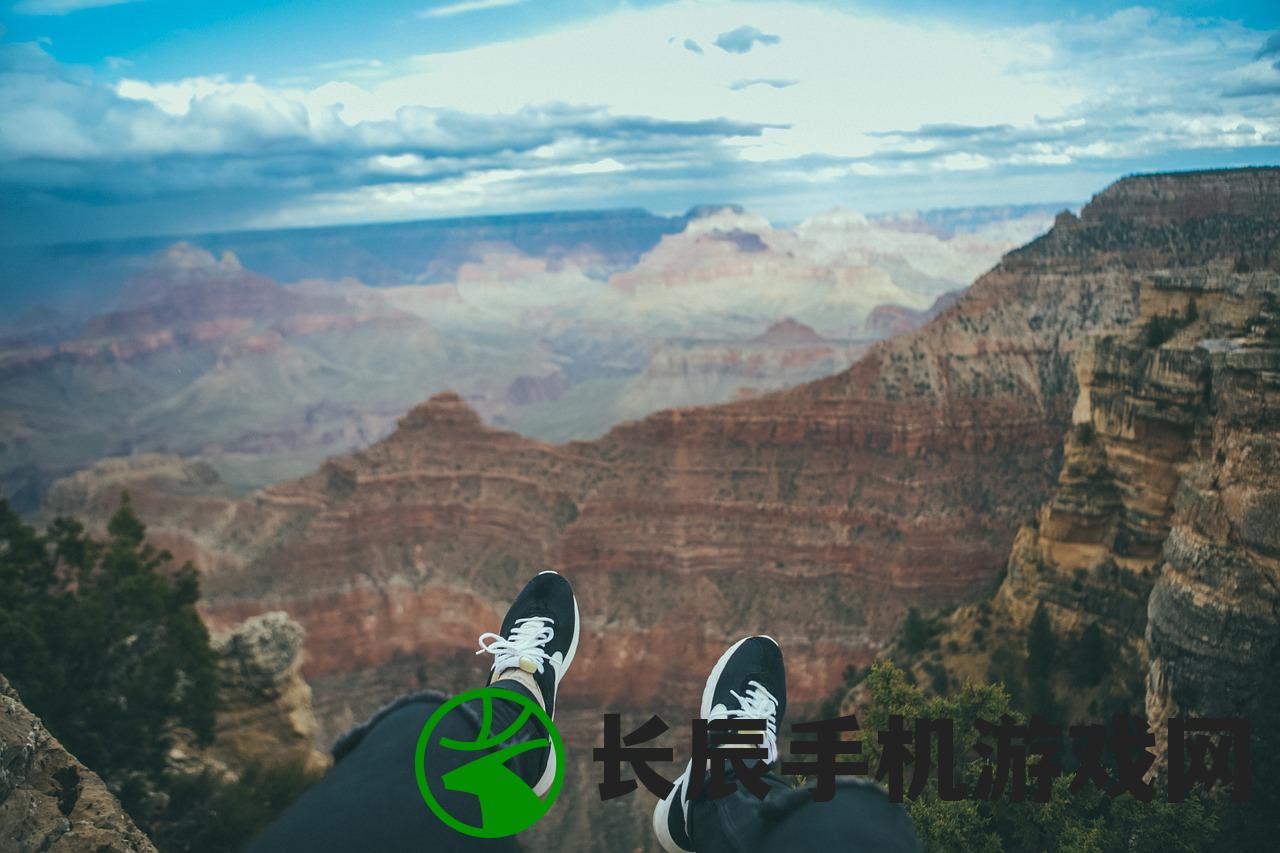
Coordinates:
column 1163, row 528
column 816, row 514
column 1213, row 618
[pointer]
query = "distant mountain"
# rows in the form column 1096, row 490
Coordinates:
column 787, row 332
column 89, row 276
column 559, row 326
column 819, row 513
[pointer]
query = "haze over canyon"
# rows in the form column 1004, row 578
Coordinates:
column 819, row 513
column 265, row 352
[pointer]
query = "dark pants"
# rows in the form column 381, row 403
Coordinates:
column 858, row 818
column 370, row 800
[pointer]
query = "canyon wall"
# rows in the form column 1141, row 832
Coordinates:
column 1213, row 618
column 1162, row 531
column 817, row 514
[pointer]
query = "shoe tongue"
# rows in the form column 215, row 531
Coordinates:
column 528, row 664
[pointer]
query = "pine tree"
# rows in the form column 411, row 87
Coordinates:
column 103, row 642
column 1041, row 646
column 915, row 632
column 1091, row 658
column 1041, row 651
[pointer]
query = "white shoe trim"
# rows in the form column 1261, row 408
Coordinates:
column 549, row 772
column 662, row 814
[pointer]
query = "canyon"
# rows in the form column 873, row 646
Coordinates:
column 1161, row 535
column 557, row 326
column 820, row 513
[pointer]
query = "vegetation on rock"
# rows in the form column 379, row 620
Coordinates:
column 1086, row 821
column 102, row 640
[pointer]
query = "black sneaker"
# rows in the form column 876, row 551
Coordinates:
column 539, row 635
column 749, row 682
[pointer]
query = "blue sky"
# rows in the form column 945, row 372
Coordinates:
column 160, row 116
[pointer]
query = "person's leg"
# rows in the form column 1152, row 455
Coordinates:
column 749, row 682
column 733, row 824
column 370, row 799
column 858, row 818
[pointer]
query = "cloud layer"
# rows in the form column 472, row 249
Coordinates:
column 742, row 39
column 62, row 7
column 629, row 109
column 450, row 9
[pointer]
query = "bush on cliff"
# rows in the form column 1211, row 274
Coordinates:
column 208, row 814
column 1086, row 821
column 103, row 641
column 916, row 632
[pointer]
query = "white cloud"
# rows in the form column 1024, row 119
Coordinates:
column 451, row 9
column 62, row 7
column 743, row 39
column 599, row 167
column 619, row 105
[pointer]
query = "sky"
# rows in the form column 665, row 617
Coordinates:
column 134, row 117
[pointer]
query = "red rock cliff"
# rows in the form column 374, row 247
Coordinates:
column 816, row 514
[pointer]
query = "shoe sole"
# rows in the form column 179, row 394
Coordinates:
column 549, row 773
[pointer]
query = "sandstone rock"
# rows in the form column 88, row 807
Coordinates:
column 49, row 801
column 1163, row 528
column 818, row 514
column 264, row 713
column 1214, row 615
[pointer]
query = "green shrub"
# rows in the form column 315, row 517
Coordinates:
column 1086, row 821
column 103, row 642
column 207, row 814
column 916, row 632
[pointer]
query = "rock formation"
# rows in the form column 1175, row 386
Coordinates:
column 1213, row 618
column 49, row 801
column 264, row 705
column 539, row 322
column 818, row 514
column 1163, row 528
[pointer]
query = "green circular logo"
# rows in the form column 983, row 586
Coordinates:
column 507, row 804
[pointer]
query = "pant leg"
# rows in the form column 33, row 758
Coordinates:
column 369, row 799
column 858, row 818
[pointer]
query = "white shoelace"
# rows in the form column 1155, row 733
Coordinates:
column 525, row 643
column 757, row 704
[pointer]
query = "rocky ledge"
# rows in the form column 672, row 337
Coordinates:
column 49, row 801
